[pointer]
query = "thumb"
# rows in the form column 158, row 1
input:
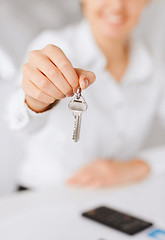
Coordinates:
column 86, row 78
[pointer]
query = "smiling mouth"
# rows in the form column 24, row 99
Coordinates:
column 113, row 19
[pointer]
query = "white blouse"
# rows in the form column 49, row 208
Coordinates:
column 116, row 125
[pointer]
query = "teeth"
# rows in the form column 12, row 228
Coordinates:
column 113, row 19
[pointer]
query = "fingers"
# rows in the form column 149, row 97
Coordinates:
column 49, row 75
column 47, row 67
column 88, row 181
column 86, row 78
column 80, row 180
column 59, row 59
column 31, row 90
column 96, row 174
column 75, row 77
column 40, row 80
column 52, row 62
column 84, row 179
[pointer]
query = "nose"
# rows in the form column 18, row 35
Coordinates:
column 116, row 5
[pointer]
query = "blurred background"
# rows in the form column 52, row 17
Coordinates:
column 20, row 22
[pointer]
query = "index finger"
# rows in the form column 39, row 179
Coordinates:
column 57, row 56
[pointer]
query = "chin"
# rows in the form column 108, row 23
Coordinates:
column 113, row 34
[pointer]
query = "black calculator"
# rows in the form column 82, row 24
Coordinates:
column 117, row 220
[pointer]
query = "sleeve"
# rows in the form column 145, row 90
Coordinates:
column 19, row 115
column 155, row 156
column 161, row 101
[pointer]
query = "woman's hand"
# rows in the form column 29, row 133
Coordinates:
column 49, row 76
column 105, row 173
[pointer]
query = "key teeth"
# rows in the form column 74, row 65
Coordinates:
column 75, row 132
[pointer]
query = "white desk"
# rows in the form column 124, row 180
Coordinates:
column 56, row 214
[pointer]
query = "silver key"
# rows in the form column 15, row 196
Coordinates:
column 78, row 106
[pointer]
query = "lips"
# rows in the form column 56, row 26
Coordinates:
column 113, row 19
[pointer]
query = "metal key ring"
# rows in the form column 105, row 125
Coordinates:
column 78, row 94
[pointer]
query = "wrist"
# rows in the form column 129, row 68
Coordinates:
column 130, row 171
column 140, row 169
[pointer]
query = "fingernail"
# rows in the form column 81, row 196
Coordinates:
column 86, row 83
column 72, row 94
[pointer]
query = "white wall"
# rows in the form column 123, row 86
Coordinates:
column 22, row 20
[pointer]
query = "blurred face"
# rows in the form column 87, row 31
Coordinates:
column 113, row 18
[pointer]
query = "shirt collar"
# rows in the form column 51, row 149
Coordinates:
column 140, row 64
